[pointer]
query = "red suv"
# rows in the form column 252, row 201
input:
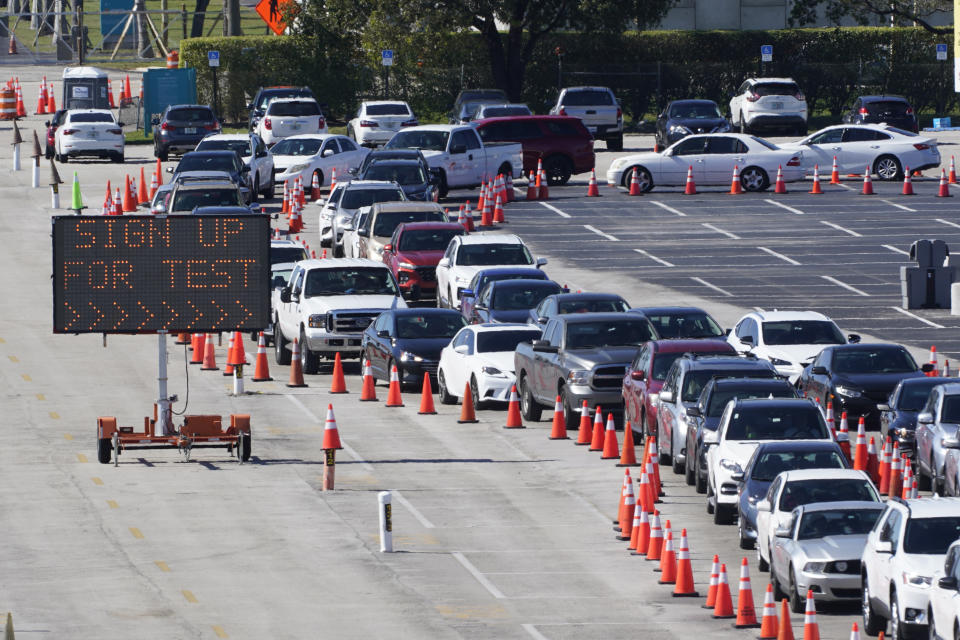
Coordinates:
column 413, row 253
column 563, row 143
column 642, row 383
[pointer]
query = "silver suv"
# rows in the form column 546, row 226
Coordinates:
column 769, row 103
column 939, row 420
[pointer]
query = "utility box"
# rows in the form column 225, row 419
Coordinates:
column 927, row 286
column 163, row 87
column 85, row 88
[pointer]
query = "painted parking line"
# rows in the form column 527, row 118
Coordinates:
column 712, row 286
column 732, row 236
column 601, row 233
column 839, row 228
column 13, row 358
column 947, row 222
column 668, row 208
column 916, row 317
column 422, row 519
column 482, row 579
column 899, row 206
column 779, row 255
column 895, row 249
column 846, row 286
column 81, row 457
column 783, row 206
column 555, row 210
column 534, row 633
column 654, row 258
column 97, row 481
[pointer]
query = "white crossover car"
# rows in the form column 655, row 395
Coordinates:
column 254, row 153
column 316, row 154
column 377, row 120
column 944, row 612
column 481, row 355
column 287, row 117
column 89, row 132
column 711, row 157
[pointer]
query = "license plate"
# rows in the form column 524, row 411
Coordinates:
column 295, row 126
column 776, row 105
column 93, row 135
column 592, row 129
column 189, row 129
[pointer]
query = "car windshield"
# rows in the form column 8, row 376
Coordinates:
column 400, row 173
column 950, row 412
column 587, row 98
column 608, row 333
column 611, row 305
column 788, row 332
column 499, row 112
column 280, row 278
column 769, row 465
column 268, row 97
column 901, row 132
column 487, row 254
column 873, row 361
column 349, row 281
column 388, row 221
column 391, row 109
column 684, row 325
column 777, row 423
column 504, row 341
column 720, row 397
column 188, row 200
column 426, row 140
column 298, row 108
column 433, row 325
column 696, row 111
column 483, row 279
column 892, row 107
column 426, row 239
column 776, row 89
column 203, row 162
column 242, row 147
column 819, row 524
column 913, row 396
column 514, row 298
column 91, row 117
column 930, row 536
column 696, row 380
column 287, row 254
column 297, row 147
column 190, row 115
column 356, row 198
column 800, row 492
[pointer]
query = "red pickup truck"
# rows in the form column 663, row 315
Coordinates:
column 562, row 142
column 413, row 253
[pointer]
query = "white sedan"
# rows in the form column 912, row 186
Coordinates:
column 254, row 153
column 377, row 120
column 89, row 132
column 886, row 150
column 316, row 154
column 481, row 355
column 287, row 117
column 712, row 158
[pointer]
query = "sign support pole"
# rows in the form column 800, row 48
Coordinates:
column 163, row 400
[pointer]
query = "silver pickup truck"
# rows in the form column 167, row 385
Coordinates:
column 581, row 357
column 599, row 110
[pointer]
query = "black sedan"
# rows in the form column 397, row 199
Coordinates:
column 898, row 415
column 205, row 161
column 681, row 322
column 416, row 183
column 858, row 377
column 561, row 303
column 511, row 300
column 412, row 340
column 682, row 118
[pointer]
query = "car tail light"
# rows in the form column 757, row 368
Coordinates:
column 166, row 126
column 213, row 126
column 794, row 161
column 115, row 132
column 908, row 111
column 410, row 123
column 70, row 132
column 562, row 111
column 921, row 146
column 367, row 123
column 864, row 111
column 619, row 113
column 799, row 96
column 267, row 124
column 322, row 123
column 752, row 97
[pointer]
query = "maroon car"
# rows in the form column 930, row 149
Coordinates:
column 413, row 252
column 52, row 125
column 562, row 142
column 643, row 381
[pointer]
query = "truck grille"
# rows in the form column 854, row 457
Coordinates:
column 350, row 321
column 427, row 274
column 609, row 377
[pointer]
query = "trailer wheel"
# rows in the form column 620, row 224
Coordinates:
column 245, row 445
column 104, row 450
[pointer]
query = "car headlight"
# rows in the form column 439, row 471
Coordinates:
column 850, row 392
column 916, row 580
column 903, row 432
column 406, row 356
column 297, row 168
column 616, row 164
column 814, row 567
column 731, row 465
column 462, row 280
column 493, row 372
column 317, row 321
column 578, row 376
column 777, row 362
column 679, row 128
column 406, row 265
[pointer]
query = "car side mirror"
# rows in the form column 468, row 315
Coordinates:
column 763, row 505
column 884, row 546
column 950, row 443
column 383, row 333
column 461, row 348
column 47, row 123
column 853, row 338
column 737, row 477
column 249, row 106
column 326, row 153
column 926, row 367
column 285, row 294
column 158, row 209
column 543, row 346
column 245, row 169
column 693, row 412
column 466, row 293
column 387, row 248
column 458, row 148
column 254, row 207
column 925, row 417
column 884, row 407
column 479, row 307
column 947, row 582
column 746, row 339
column 262, row 153
column 541, row 262
column 819, row 371
column 169, row 169
column 666, row 396
column 444, row 262
column 638, row 375
column 120, row 124
column 542, row 320
column 783, row 532
column 353, row 170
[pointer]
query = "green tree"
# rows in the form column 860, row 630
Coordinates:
column 900, row 12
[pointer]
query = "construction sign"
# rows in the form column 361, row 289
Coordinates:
column 272, row 12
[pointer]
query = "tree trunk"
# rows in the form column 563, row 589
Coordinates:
column 196, row 28
column 231, row 14
column 144, row 50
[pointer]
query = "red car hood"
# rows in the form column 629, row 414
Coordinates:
column 421, row 258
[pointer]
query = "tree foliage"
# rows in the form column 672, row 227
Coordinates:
column 901, row 12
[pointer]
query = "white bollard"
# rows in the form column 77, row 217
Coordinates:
column 16, row 157
column 238, row 380
column 55, row 196
column 35, row 174
column 386, row 522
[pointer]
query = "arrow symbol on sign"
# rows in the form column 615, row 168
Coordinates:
column 147, row 315
column 76, row 316
column 197, row 314
column 173, row 315
column 99, row 313
column 123, row 316
column 223, row 314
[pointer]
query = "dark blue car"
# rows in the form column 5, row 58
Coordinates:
column 411, row 340
column 480, row 279
column 580, row 302
column 898, row 415
column 681, row 322
column 204, row 162
column 511, row 300
column 682, row 118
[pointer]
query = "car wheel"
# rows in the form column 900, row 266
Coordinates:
column 931, row 628
column 571, row 417
column 754, row 179
column 309, row 361
column 798, row 603
column 475, row 392
column 445, row 397
column 615, row 144
column 270, row 191
column 710, row 507
column 255, row 193
column 689, row 471
column 529, row 408
column 872, row 623
column 897, row 632
column 48, row 152
column 442, row 188
column 700, row 478
column 743, row 124
column 662, row 454
column 747, row 543
column 678, row 467
column 722, row 514
column 280, row 352
column 158, row 153
column 924, row 482
column 888, row 168
column 778, row 593
column 762, row 563
column 558, row 170
column 644, row 179
column 117, row 157
column 64, row 158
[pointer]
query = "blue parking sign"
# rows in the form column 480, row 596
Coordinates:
column 766, row 53
column 213, row 58
column 387, row 57
column 941, row 52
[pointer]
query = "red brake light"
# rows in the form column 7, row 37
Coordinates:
column 752, row 97
column 921, row 146
column 619, row 113
column 115, row 132
column 798, row 96
column 794, row 161
column 863, row 111
column 267, row 124
column 410, row 123
column 69, row 132
column 562, row 112
column 323, row 122
column 909, row 111
column 367, row 123
column 165, row 126
column 211, row 127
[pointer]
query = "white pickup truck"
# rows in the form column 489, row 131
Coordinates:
column 599, row 110
column 462, row 158
column 328, row 305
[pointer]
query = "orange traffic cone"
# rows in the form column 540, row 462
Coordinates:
column 596, row 442
column 656, row 538
column 668, row 563
column 128, row 203
column 426, row 398
column 285, row 205
column 585, row 435
column 199, row 348
column 333, row 178
column 746, row 614
column 945, row 372
column 831, row 423
column 51, row 100
column 611, row 448
column 654, row 461
column 884, row 469
column 622, row 504
column 630, row 507
column 209, row 356
column 513, row 411
column 640, row 540
column 628, row 457
column 228, row 367
column 337, row 383
column 854, row 632
column 933, row 362
column 482, row 196
column 907, row 184
column 860, row 450
column 159, row 172
column 127, row 95
column 468, row 216
column 895, row 486
column 667, row 534
column 301, row 195
column 592, row 190
column 835, row 172
column 635, row 189
column 816, row 190
column 785, row 631
column 691, row 188
column 241, row 357
column 867, row 184
column 261, row 371
column 873, row 463
column 906, row 491
column 723, row 608
column 811, row 631
column 511, row 195
column 780, row 186
column 394, row 399
column 113, row 104
column 768, row 621
column 952, row 176
column 543, row 193
column 296, row 370
column 486, row 215
column 142, row 189
column 638, row 513
column 467, row 414
column 331, row 435
column 315, row 188
column 42, row 98
column 21, row 108
column 531, row 188
column 714, row 583
column 369, row 391
column 646, row 499
column 736, row 188
column 684, row 587
column 183, row 338
column 558, row 430
column 498, row 211
column 153, row 185
column 117, row 203
column 843, row 437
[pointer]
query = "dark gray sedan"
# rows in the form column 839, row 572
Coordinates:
column 412, row 340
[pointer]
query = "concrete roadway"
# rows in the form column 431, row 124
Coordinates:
column 499, row 534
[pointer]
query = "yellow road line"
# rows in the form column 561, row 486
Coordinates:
column 26, row 378
column 81, row 457
column 97, row 481
column 136, row 533
column 217, row 629
column 113, row 504
column 162, row 565
column 54, row 415
column 188, row 595
column 14, row 359
column 2, row 341
column 41, row 397
column 68, row 436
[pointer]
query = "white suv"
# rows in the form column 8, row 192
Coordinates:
column 769, row 103
column 943, row 615
column 903, row 552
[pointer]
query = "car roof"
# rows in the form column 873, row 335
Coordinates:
column 436, row 127
column 369, row 184
column 229, row 136
column 762, row 80
column 491, row 238
column 843, row 505
column 785, row 403
column 313, row 136
column 883, row 97
column 419, row 311
column 587, row 88
column 949, row 388
column 405, row 205
column 293, row 99
column 927, row 382
column 502, row 326
column 206, row 184
column 521, row 282
column 692, row 101
column 190, row 106
column 397, row 162
column 776, row 315
column 72, row 111
column 282, row 242
column 937, row 506
column 793, row 475
column 376, row 102
column 332, row 263
column 745, row 383
column 210, row 152
column 665, row 310
column 280, row 266
column 593, row 316
column 586, row 295
column 865, row 346
column 724, row 361
column 394, row 153
column 429, row 226
column 673, row 346
column 223, row 210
